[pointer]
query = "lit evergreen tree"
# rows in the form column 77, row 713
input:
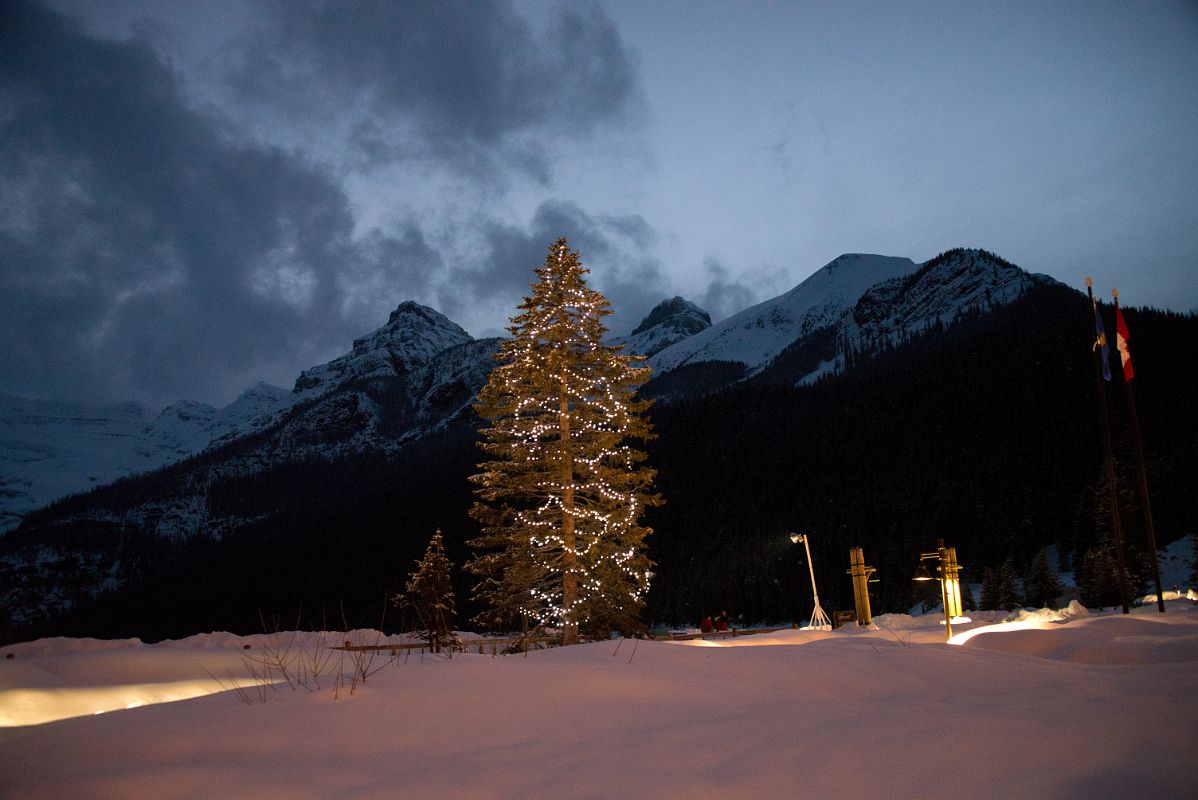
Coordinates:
column 1043, row 586
column 561, row 498
column 430, row 592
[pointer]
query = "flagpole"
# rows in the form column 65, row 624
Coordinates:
column 1135, row 429
column 1099, row 344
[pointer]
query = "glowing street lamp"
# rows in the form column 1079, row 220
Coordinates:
column 948, row 572
column 819, row 620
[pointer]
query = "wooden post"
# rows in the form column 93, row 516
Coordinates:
column 860, row 574
column 1143, row 475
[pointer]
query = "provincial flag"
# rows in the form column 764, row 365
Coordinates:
column 1121, row 337
column 1100, row 342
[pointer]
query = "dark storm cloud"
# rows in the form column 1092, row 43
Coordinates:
column 160, row 240
column 724, row 295
column 615, row 249
column 473, row 85
column 140, row 253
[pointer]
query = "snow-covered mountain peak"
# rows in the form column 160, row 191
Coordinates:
column 677, row 312
column 260, row 393
column 757, row 334
column 955, row 281
column 669, row 322
column 413, row 335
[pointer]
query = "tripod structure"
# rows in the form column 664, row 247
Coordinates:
column 819, row 620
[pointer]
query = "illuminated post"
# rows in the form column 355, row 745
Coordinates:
column 952, row 582
column 819, row 619
column 861, row 578
column 949, row 572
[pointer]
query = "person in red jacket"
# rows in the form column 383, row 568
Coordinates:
column 721, row 622
column 706, row 625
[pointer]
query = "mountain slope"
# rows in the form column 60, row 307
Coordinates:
column 756, row 335
column 954, row 285
column 955, row 282
column 49, row 449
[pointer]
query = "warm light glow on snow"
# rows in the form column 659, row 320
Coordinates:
column 1002, row 627
column 786, row 636
column 37, row 706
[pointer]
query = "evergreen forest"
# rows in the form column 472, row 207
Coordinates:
column 984, row 434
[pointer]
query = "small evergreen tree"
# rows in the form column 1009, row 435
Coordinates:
column 1043, row 586
column 989, row 589
column 1098, row 578
column 967, row 601
column 430, row 593
column 1008, row 593
column 1194, row 569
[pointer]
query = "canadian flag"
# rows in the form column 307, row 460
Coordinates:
column 1121, row 337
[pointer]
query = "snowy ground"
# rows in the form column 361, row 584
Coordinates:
column 1093, row 706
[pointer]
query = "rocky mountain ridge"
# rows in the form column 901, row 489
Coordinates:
column 49, row 449
column 814, row 328
column 419, row 373
column 758, row 334
column 671, row 321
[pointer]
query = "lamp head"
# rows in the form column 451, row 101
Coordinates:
column 921, row 573
column 795, row 538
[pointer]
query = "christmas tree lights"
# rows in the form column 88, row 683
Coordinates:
column 562, row 494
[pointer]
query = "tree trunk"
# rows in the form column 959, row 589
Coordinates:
column 569, row 576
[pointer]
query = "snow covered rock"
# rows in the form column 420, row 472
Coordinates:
column 668, row 323
column 857, row 302
column 943, row 288
column 413, row 335
column 758, row 334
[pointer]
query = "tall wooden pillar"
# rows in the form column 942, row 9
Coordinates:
column 860, row 574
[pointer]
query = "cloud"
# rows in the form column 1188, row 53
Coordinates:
column 474, row 87
column 723, row 296
column 165, row 234
column 727, row 294
column 141, row 253
column 618, row 251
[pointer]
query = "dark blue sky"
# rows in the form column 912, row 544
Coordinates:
column 195, row 196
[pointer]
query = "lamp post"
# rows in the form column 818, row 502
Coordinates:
column 949, row 575
column 819, row 619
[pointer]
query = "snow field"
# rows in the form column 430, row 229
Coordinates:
column 1095, row 706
